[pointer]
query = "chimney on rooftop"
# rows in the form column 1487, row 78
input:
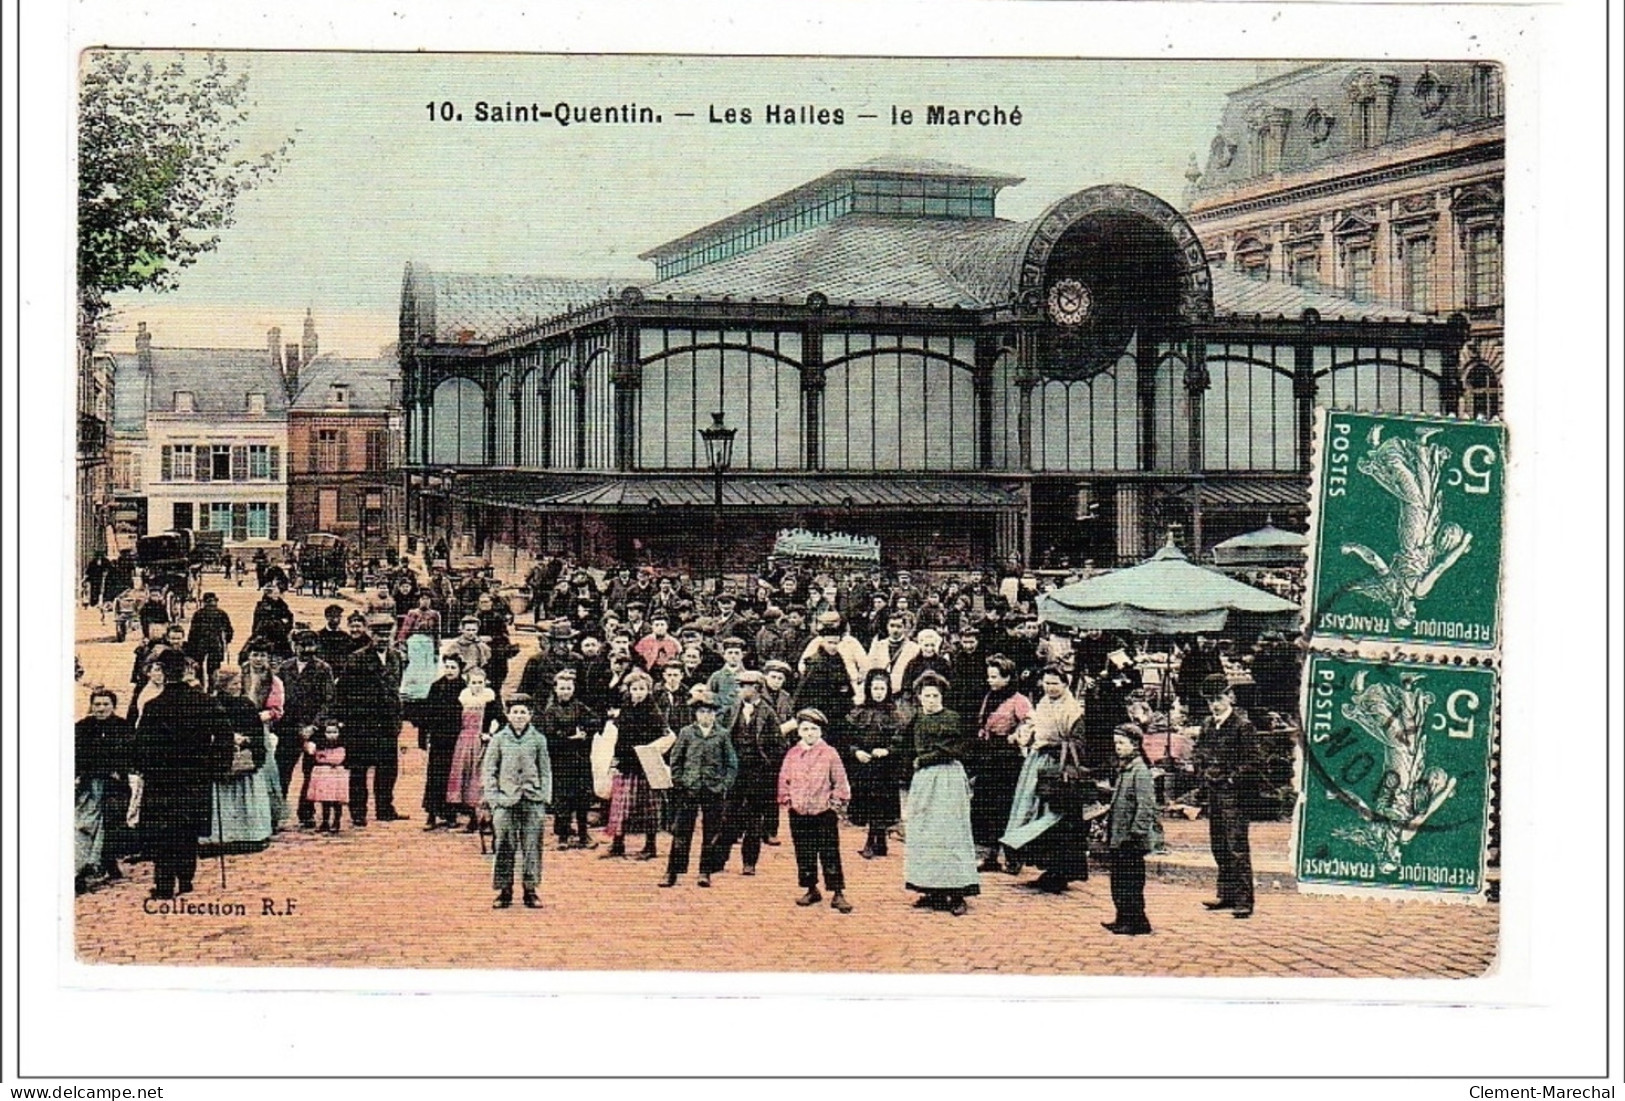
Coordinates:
column 273, row 341
column 143, row 348
column 309, row 346
column 290, row 372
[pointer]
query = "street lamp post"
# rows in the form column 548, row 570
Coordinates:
column 719, row 451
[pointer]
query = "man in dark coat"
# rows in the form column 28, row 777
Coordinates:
column 1227, row 760
column 333, row 643
column 307, row 693
column 826, row 685
column 760, row 744
column 210, row 637
column 568, row 725
column 367, row 700
column 273, row 622
column 536, row 681
column 178, row 749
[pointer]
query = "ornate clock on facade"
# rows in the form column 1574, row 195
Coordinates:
column 1069, row 303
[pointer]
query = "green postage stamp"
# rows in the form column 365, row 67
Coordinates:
column 1407, row 545
column 1396, row 776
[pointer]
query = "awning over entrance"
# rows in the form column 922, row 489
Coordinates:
column 645, row 493
column 1255, row 493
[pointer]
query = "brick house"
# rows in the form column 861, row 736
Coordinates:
column 344, row 449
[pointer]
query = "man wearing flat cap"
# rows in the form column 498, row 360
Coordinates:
column 1228, row 764
column 760, row 746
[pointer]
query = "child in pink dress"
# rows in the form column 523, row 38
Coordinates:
column 329, row 778
column 482, row 716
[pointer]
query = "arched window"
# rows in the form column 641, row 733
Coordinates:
column 457, row 433
column 753, row 377
column 1480, row 391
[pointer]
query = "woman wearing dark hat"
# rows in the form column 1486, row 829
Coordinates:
column 873, row 730
column 940, row 859
column 1134, row 830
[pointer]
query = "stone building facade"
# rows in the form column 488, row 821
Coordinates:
column 1379, row 183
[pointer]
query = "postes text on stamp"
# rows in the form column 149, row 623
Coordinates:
column 1406, row 547
column 1396, row 774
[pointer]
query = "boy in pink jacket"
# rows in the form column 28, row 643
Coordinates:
column 812, row 783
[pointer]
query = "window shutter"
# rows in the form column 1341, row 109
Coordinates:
column 239, row 464
column 276, row 466
column 274, row 520
column 203, row 464
column 239, row 522
column 166, row 463
column 344, row 449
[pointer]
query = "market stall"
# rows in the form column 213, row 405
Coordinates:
column 1165, row 595
column 1268, row 547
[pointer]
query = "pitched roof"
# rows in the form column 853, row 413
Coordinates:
column 1235, row 295
column 868, row 258
column 946, row 262
column 368, row 380
column 219, row 379
column 466, row 308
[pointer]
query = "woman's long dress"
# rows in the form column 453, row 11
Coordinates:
column 440, row 718
column 634, row 807
column 940, row 854
column 422, row 668
column 876, row 800
column 1052, row 721
column 241, row 814
column 463, row 786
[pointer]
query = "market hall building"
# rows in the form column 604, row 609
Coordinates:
column 900, row 363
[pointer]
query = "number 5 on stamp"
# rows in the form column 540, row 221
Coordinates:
column 1396, row 776
column 1407, row 534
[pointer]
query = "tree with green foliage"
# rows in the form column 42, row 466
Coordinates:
column 160, row 171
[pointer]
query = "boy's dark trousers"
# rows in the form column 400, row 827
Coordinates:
column 571, row 805
column 1128, row 890
column 713, row 836
column 817, row 840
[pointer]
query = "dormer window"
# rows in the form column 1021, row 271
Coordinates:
column 338, row 395
column 1371, row 97
column 185, row 402
column 256, row 405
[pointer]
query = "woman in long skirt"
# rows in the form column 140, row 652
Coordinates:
column 873, row 732
column 634, row 807
column 481, row 717
column 940, row 857
column 439, row 721
column 241, row 816
column 264, row 687
column 1053, row 838
column 1057, row 711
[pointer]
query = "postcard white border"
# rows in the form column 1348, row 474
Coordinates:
column 1540, row 1013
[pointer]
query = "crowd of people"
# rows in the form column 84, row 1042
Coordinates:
column 936, row 710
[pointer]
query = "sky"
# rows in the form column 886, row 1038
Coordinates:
column 374, row 182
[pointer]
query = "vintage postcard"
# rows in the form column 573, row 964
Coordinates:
column 784, row 514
